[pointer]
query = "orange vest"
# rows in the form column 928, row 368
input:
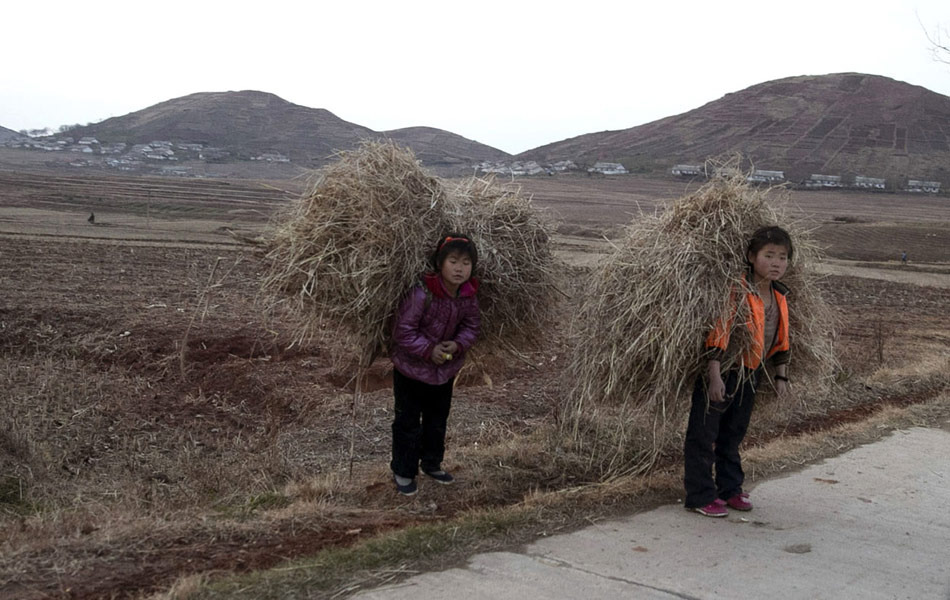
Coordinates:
column 718, row 338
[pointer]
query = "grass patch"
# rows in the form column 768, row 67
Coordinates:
column 12, row 496
column 259, row 502
column 380, row 560
column 398, row 555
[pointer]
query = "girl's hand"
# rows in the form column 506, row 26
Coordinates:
column 444, row 352
column 717, row 389
column 781, row 388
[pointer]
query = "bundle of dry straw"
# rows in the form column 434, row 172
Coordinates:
column 348, row 251
column 638, row 334
column 344, row 251
column 516, row 267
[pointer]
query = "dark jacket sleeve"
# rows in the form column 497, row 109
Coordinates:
column 781, row 358
column 406, row 332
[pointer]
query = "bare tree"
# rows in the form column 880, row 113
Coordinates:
column 939, row 40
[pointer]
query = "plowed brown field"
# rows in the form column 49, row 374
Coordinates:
column 154, row 423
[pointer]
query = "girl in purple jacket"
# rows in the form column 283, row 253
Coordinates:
column 434, row 326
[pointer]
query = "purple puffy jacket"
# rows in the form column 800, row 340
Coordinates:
column 425, row 319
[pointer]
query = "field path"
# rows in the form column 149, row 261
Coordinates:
column 939, row 277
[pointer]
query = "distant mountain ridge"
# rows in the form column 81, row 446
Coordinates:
column 845, row 123
column 251, row 123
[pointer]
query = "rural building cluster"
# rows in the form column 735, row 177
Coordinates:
column 530, row 167
column 167, row 157
column 820, row 181
column 125, row 157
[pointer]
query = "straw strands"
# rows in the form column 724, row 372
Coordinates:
column 516, row 267
column 639, row 331
column 346, row 253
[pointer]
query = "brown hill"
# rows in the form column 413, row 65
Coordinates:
column 437, row 146
column 9, row 134
column 840, row 124
column 251, row 123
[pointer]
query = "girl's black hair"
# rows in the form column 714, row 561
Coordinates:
column 770, row 235
column 453, row 242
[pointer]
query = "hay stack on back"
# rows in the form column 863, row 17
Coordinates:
column 345, row 251
column 349, row 250
column 516, row 266
column 639, row 332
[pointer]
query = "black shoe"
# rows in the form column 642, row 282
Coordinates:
column 441, row 476
column 409, row 489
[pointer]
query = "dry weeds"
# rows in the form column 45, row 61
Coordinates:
column 640, row 325
column 125, row 477
column 348, row 251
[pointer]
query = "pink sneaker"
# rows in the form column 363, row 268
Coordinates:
column 716, row 508
column 740, row 502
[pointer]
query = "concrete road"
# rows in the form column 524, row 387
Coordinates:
column 871, row 523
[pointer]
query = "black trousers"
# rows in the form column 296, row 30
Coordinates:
column 421, row 413
column 713, row 436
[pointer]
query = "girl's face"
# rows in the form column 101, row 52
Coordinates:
column 770, row 262
column 456, row 269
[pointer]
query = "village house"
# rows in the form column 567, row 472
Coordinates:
column 762, row 176
column 563, row 165
column 114, row 148
column 608, row 168
column 823, row 181
column 874, row 183
column 526, row 168
column 687, row 170
column 491, row 167
column 916, row 185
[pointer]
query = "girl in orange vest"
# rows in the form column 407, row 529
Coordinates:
column 722, row 402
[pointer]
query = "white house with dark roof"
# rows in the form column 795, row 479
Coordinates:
column 873, row 183
column 817, row 180
column 687, row 170
column 917, row 185
column 608, row 168
column 763, row 176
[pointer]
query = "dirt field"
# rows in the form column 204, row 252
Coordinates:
column 155, row 423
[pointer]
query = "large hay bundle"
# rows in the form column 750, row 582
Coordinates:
column 349, row 249
column 516, row 266
column 345, row 253
column 638, row 335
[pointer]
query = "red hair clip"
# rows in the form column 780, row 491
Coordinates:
column 453, row 239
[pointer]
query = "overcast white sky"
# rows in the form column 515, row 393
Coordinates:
column 514, row 75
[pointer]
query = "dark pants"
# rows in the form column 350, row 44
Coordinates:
column 421, row 414
column 713, row 437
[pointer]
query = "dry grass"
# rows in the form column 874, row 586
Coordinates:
column 516, row 266
column 640, row 325
column 349, row 250
column 127, row 477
